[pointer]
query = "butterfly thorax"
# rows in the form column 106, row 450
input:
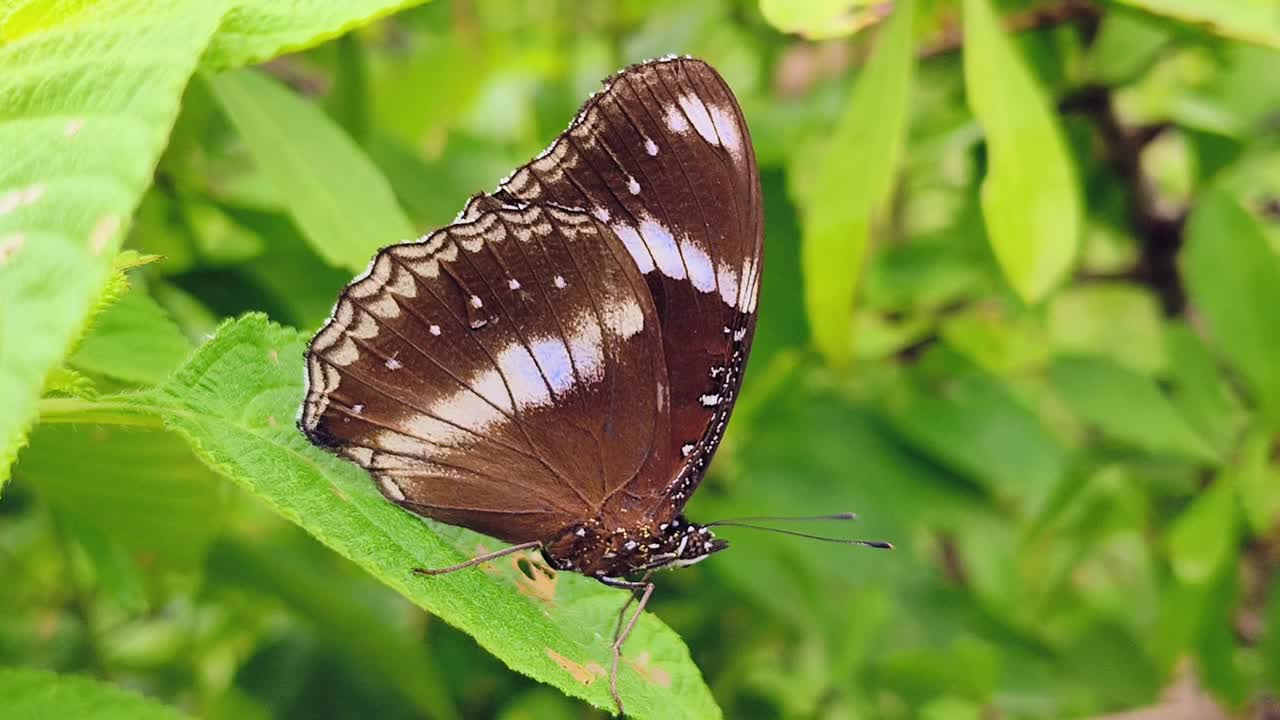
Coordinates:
column 596, row 550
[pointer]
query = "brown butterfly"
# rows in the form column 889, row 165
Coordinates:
column 557, row 367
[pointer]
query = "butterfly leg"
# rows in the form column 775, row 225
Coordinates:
column 621, row 633
column 478, row 559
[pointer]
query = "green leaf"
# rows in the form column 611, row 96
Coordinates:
column 1233, row 278
column 303, row 578
column 235, row 401
column 1127, row 406
column 260, row 30
column 1030, row 198
column 1199, row 389
column 841, row 209
column 822, row 19
column 336, row 195
column 77, row 147
column 36, row 694
column 88, row 94
column 1115, row 320
column 132, row 340
column 140, row 486
column 972, row 424
column 1258, row 480
column 1252, row 20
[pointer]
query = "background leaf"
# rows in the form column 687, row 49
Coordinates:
column 1127, row 406
column 852, row 185
column 339, row 199
column 1030, row 200
column 1234, row 275
column 32, row 694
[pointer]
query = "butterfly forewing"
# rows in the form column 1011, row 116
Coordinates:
column 503, row 374
column 662, row 157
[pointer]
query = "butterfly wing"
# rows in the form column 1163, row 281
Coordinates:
column 662, row 156
column 503, row 374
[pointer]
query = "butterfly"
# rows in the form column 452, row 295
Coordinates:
column 557, row 367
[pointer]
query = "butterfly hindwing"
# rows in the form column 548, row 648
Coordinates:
column 501, row 374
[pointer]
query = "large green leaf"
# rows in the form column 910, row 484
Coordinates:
column 1233, row 277
column 140, row 486
column 853, row 183
column 1030, row 198
column 336, row 195
column 1201, row 539
column 88, row 94
column 132, row 340
column 1127, row 406
column 36, row 695
column 77, row 146
column 1252, row 20
column 235, row 401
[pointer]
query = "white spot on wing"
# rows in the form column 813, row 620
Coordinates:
column 523, row 377
column 663, row 246
column 676, row 121
column 393, row 364
column 434, row 330
column 476, row 302
column 631, row 239
column 514, row 284
column 586, row 345
column 559, row 282
column 489, row 386
column 727, row 127
column 624, row 318
column 553, row 358
column 728, row 281
column 697, row 113
column 700, row 272
column 601, row 214
column 633, row 185
column 650, row 147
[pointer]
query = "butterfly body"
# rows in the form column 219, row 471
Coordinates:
column 597, row 550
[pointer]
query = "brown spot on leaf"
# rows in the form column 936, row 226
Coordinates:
column 271, row 420
column 652, row 674
column 338, row 491
column 73, row 127
column 102, row 233
column 533, row 577
column 10, row 245
column 275, row 357
column 585, row 674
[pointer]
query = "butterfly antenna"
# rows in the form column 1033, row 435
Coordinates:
column 787, row 518
column 881, row 544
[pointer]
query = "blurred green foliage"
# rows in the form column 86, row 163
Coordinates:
column 1019, row 312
